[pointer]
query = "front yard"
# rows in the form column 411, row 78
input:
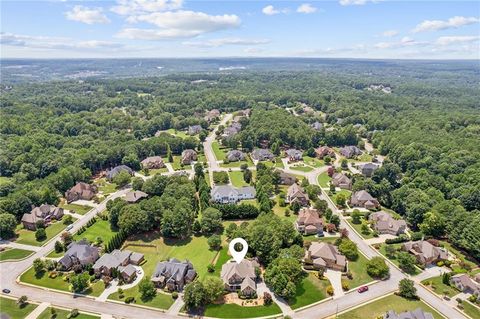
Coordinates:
column 345, row 192
column 379, row 307
column 77, row 209
column 220, row 151
column 309, row 290
column 471, row 310
column 393, row 258
column 301, row 168
column 63, row 314
column 14, row 254
column 237, row 311
column 27, row 237
column 324, row 180
column 358, row 228
column 439, row 287
column 312, row 161
column 358, row 268
column 9, row 306
column 161, row 300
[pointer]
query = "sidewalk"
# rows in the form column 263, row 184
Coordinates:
column 38, row 311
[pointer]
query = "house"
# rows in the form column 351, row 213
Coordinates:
column 294, row 155
column 323, row 151
column 81, row 190
column 235, row 156
column 466, row 285
column 350, row 151
column 368, row 169
column 324, row 255
column 364, row 199
column 245, row 112
column 79, row 253
column 341, row 180
column 384, row 223
column 173, row 274
column 317, row 126
column 425, row 252
column 262, row 154
column 240, row 276
column 41, row 214
column 135, row 196
column 309, row 222
column 194, row 129
column 232, row 130
column 188, row 156
column 128, row 273
column 212, row 115
column 415, row 314
column 226, row 194
column 153, row 162
column 121, row 260
column 295, row 193
column 116, row 170
column 286, row 179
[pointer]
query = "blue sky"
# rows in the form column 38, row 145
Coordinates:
column 182, row 28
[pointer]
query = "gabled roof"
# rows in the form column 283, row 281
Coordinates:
column 117, row 169
column 309, row 216
column 327, row 252
column 134, row 196
column 244, row 269
column 363, row 196
column 152, row 159
column 296, row 191
column 173, row 270
column 228, row 190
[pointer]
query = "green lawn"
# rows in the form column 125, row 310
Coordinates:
column 219, row 151
column 9, row 306
column 27, row 237
column 181, row 134
column 278, row 163
column 302, row 168
column 161, row 300
column 309, row 290
column 312, row 161
column 236, row 311
column 14, row 253
column 280, row 211
column 471, row 310
column 78, row 209
column 106, row 188
column 157, row 171
column 393, row 258
column 439, row 287
column 176, row 163
column 359, row 272
column 358, row 228
column 236, row 177
column 346, row 192
column 458, row 254
column 62, row 314
column 324, row 180
column 362, row 158
column 379, row 307
column 54, row 254
column 223, row 257
column 101, row 228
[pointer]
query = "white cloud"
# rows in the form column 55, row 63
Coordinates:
column 270, row 10
column 178, row 24
column 306, row 8
column 226, row 41
column 132, row 7
column 87, row 15
column 390, row 33
column 354, row 2
column 435, row 25
column 404, row 42
column 456, row 39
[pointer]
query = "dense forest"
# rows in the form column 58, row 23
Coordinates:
column 56, row 133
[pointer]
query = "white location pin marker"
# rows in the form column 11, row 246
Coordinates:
column 238, row 255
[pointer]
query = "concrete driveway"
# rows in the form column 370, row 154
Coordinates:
column 113, row 287
column 335, row 278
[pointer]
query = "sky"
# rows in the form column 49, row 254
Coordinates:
column 181, row 28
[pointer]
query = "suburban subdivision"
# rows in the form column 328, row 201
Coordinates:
column 119, row 197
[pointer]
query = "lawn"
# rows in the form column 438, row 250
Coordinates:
column 312, row 161
column 359, row 272
column 78, row 209
column 278, row 163
column 436, row 284
column 358, row 228
column 471, row 310
column 219, row 151
column 324, row 180
column 236, row 177
column 302, row 168
column 458, row 254
column 393, row 259
column 14, row 253
column 155, row 171
column 9, row 306
column 379, row 307
column 309, row 290
column 177, row 165
column 223, row 257
column 106, row 188
column 161, row 300
column 345, row 192
column 27, row 237
column 101, row 228
column 280, row 211
column 62, row 314
column 237, row 311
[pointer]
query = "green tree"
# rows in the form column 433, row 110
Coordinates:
column 137, row 183
column 214, row 242
column 341, row 200
column 406, row 262
column 283, row 274
column 58, row 247
column 40, row 234
column 8, row 223
column 211, row 220
column 214, row 288
column 349, row 249
column 38, row 266
column 177, row 222
column 406, row 289
column 134, row 220
column 377, row 268
column 122, row 178
column 79, row 282
column 194, row 295
column 356, row 216
column 147, row 290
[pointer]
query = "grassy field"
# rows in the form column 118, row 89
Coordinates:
column 101, row 228
column 161, row 300
column 219, row 151
column 236, row 311
column 280, row 211
column 324, row 180
column 106, row 188
column 78, row 209
column 309, row 290
column 439, row 287
column 27, row 237
column 358, row 228
column 393, row 258
column 157, row 171
column 302, row 168
column 62, row 314
column 471, row 310
column 345, row 192
column 14, row 253
column 223, row 257
column 236, row 177
column 359, row 272
column 362, row 158
column 379, row 307
column 181, row 134
column 312, row 161
column 9, row 306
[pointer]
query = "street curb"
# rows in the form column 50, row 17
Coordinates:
column 313, row 304
column 16, row 260
column 136, row 305
column 439, row 297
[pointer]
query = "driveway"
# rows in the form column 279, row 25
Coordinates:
column 335, row 278
column 113, row 287
column 380, row 239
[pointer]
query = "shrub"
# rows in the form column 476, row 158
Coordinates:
column 129, row 299
column 210, row 268
column 400, row 239
column 330, row 290
column 174, row 295
column 267, row 298
column 345, row 285
column 40, row 234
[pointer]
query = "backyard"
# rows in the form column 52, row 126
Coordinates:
column 101, row 228
column 10, row 307
column 14, row 254
column 236, row 177
column 27, row 237
column 104, row 187
column 309, row 290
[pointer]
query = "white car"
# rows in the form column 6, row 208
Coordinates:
column 69, row 227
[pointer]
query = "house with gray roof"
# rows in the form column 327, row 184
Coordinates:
column 121, row 260
column 425, row 252
column 194, row 129
column 285, row 178
column 350, row 151
column 240, row 276
column 235, row 156
column 262, row 154
column 368, row 169
column 323, row 255
column 294, row 155
column 466, row 285
column 41, row 214
column 173, row 274
column 323, row 151
column 341, row 180
column 232, row 130
column 153, row 162
column 364, row 199
column 227, row 194
column 384, row 223
column 317, row 126
column 116, row 170
column 79, row 253
column 135, row 196
column 415, row 314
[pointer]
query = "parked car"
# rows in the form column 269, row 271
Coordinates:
column 6, row 291
column 69, row 227
column 362, row 289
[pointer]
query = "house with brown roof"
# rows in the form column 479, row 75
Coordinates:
column 324, row 255
column 425, row 252
column 350, row 151
column 79, row 253
column 41, row 214
column 173, row 274
column 309, row 222
column 81, row 190
column 240, row 276
column 135, row 196
column 121, row 260
column 323, row 151
column 466, row 285
column 364, row 199
column 153, row 162
column 188, row 156
column 293, row 155
column 341, row 180
column 194, row 129
column 286, row 179
column 384, row 223
column 212, row 115
column 116, row 170
column 295, row 193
